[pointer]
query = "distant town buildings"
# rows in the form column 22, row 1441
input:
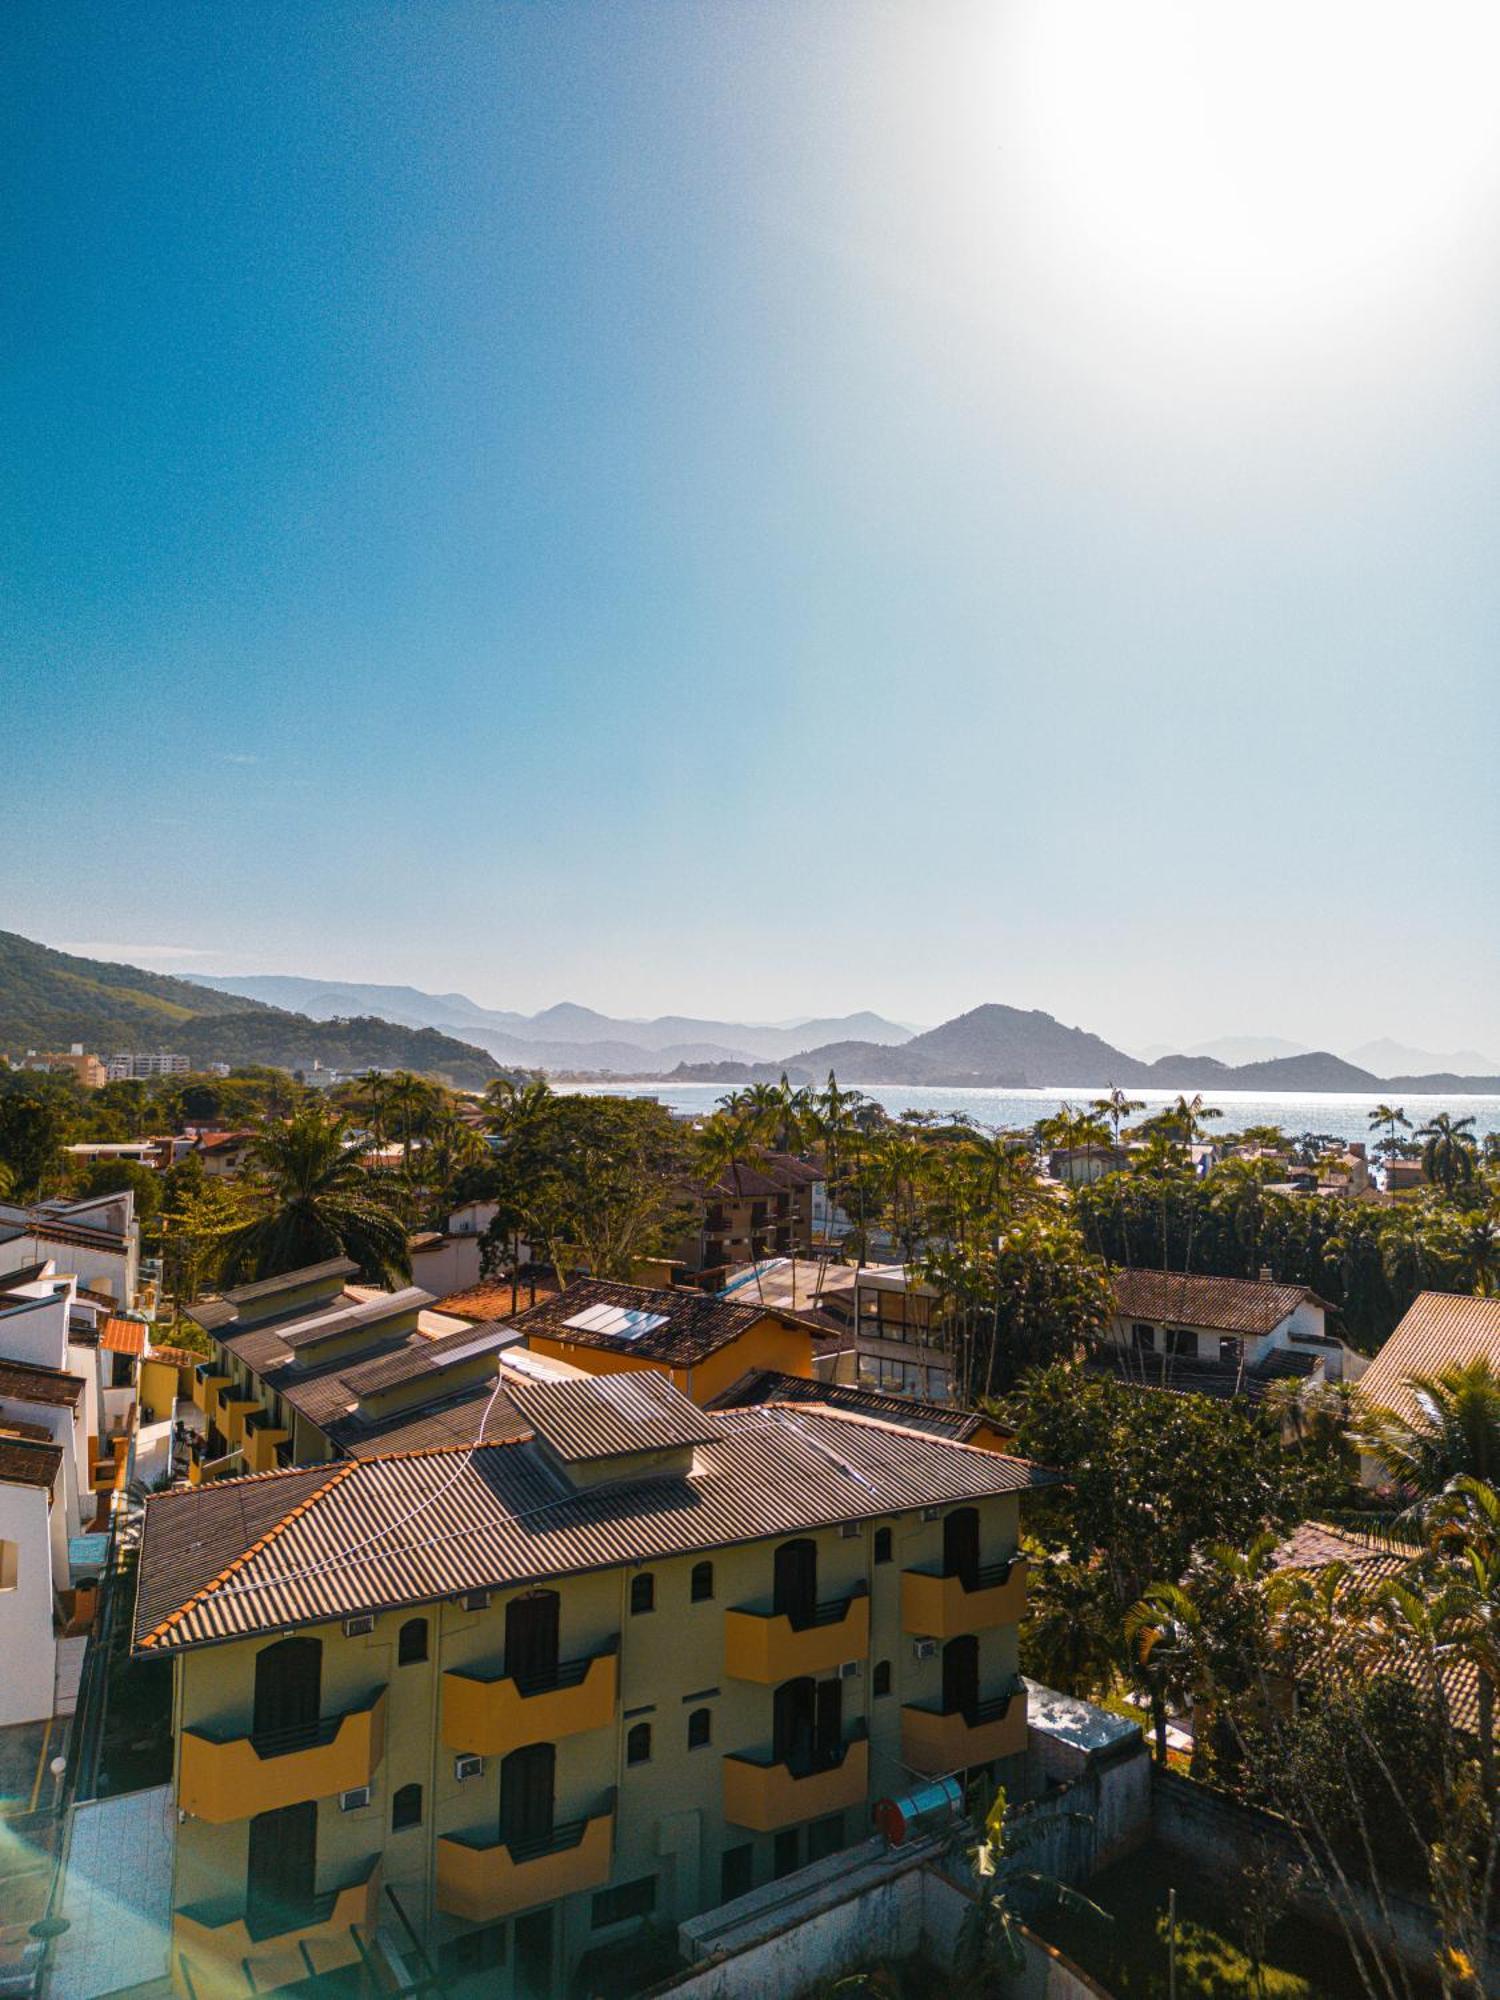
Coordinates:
column 1222, row 1336
column 88, row 1069
column 127, row 1068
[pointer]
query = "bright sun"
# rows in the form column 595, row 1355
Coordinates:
column 1261, row 168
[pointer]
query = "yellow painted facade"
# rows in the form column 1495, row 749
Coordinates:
column 482, row 1881
column 941, row 1607
column 488, row 1716
column 228, row 1778
column 768, row 1343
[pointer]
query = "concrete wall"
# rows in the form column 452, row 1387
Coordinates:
column 27, row 1644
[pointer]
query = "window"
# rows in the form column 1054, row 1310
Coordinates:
column 476, row 1951
column 736, row 1872
column 882, row 1682
column 1182, row 1340
column 700, row 1728
column 406, row 1808
column 10, row 1564
column 882, row 1545
column 825, row 1836
column 1143, row 1337
column 703, row 1582
column 625, row 1900
column 411, row 1643
column 1230, row 1351
column 638, row 1744
column 642, row 1593
column 786, row 1855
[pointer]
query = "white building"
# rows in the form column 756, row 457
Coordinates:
column 1225, row 1336
column 127, row 1068
column 97, row 1241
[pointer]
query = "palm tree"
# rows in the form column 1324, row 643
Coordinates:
column 372, row 1094
column 317, row 1204
column 1117, row 1107
column 1455, row 1430
column 410, row 1102
column 1187, row 1115
column 1390, row 1116
column 1464, row 1526
column 1449, row 1149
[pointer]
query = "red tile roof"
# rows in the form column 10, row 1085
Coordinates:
column 124, row 1336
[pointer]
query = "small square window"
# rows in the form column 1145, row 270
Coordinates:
column 881, row 1683
column 406, row 1808
column 624, row 1901
column 700, row 1728
column 638, row 1744
column 882, row 1545
column 787, row 1854
column 642, row 1593
column 703, row 1582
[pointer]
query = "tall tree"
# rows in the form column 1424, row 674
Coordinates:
column 1449, row 1149
column 316, row 1202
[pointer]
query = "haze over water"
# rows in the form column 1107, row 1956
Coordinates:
column 1342, row 1116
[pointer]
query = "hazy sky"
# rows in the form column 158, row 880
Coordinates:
column 761, row 509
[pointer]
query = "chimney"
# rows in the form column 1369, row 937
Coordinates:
column 1267, row 1276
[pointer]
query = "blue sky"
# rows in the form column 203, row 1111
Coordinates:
column 761, row 509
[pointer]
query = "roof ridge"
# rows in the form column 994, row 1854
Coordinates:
column 164, row 1625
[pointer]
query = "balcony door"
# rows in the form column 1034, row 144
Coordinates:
column 961, row 1675
column 794, row 1723
column 527, row 1778
column 961, row 1546
column 283, row 1867
column 796, row 1583
column 288, row 1692
column 531, row 1640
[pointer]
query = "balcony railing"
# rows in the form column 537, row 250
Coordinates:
column 222, row 1777
column 942, row 1607
column 935, row 1743
column 768, row 1647
column 765, row 1796
column 491, row 1714
column 480, row 1879
column 223, row 1953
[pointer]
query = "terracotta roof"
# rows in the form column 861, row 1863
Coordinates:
column 696, row 1325
column 175, row 1357
column 610, row 1416
column 124, row 1336
column 767, row 1385
column 299, row 1547
column 1227, row 1305
column 1441, row 1330
column 24, row 1382
column 27, row 1462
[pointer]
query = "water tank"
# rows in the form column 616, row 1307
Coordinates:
column 918, row 1810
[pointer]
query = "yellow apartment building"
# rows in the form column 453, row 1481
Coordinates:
column 483, row 1714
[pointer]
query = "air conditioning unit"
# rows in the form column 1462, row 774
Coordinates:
column 849, row 1670
column 356, row 1628
column 475, row 1600
column 468, row 1767
column 932, row 1513
column 926, row 1649
column 851, row 1530
column 352, row 1800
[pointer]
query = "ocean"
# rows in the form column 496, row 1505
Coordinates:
column 1342, row 1116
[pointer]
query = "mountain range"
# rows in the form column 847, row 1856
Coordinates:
column 49, row 999
column 564, row 1037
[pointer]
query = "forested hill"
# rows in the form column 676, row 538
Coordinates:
column 49, row 999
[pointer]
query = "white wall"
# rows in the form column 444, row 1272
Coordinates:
column 27, row 1644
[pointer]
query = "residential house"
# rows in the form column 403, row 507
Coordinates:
column 480, row 1716
column 752, row 1211
column 900, row 1333
column 306, row 1367
column 1222, row 1336
column 97, row 1240
column 77, row 1063
column 971, row 1427
column 127, row 1067
column 1440, row 1330
column 702, row 1343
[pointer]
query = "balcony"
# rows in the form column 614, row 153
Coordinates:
column 490, row 1714
column 942, row 1607
column 765, row 1796
column 224, row 1778
column 480, row 1879
column 222, row 1954
column 935, row 1744
column 766, row 1647
column 261, row 1437
column 208, row 1379
column 235, row 1408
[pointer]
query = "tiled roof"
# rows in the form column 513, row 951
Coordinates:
column 266, row 1348
column 696, row 1324
column 495, row 1298
column 310, row 1274
column 1441, row 1330
column 431, row 1426
column 767, row 1385
column 124, row 1336
column 24, row 1382
column 175, row 1357
column 426, row 1357
column 1182, row 1376
column 27, row 1462
column 1227, row 1305
column 608, row 1416
column 299, row 1547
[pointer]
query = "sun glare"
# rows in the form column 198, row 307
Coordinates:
column 1268, row 167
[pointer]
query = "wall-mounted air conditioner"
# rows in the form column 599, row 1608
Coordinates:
column 851, row 1530
column 926, row 1649
column 356, row 1628
column 932, row 1513
column 475, row 1600
column 849, row 1670
column 354, row 1798
column 468, row 1767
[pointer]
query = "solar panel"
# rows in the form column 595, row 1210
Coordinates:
column 616, row 1322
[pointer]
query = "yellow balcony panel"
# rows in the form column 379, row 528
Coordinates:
column 225, row 1957
column 207, row 1382
column 480, row 1880
column 765, row 1796
column 941, row 1608
column 489, row 1716
column 935, row 1744
column 765, row 1646
column 224, row 1778
column 261, row 1438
